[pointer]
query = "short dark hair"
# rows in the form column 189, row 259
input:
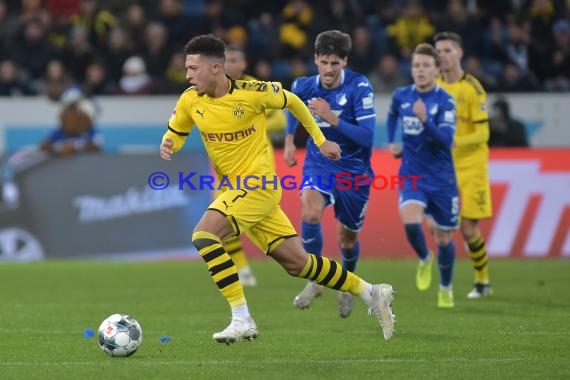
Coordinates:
column 236, row 49
column 427, row 49
column 207, row 45
column 333, row 42
column 451, row 36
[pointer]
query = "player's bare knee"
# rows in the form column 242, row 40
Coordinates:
column 442, row 238
column 347, row 245
column 347, row 239
column 312, row 206
column 200, row 227
column 311, row 215
column 197, row 229
column 468, row 233
column 469, row 228
column 215, row 224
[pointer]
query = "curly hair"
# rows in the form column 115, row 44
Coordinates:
column 333, row 42
column 207, row 45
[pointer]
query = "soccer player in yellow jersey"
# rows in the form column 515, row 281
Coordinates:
column 470, row 153
column 235, row 67
column 230, row 115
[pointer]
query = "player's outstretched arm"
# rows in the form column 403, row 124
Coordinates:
column 289, row 151
column 172, row 142
column 289, row 146
column 166, row 149
column 302, row 113
column 361, row 133
column 329, row 149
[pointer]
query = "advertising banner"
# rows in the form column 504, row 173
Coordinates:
column 531, row 204
column 104, row 206
column 112, row 206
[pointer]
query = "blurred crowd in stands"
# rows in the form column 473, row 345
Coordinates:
column 135, row 47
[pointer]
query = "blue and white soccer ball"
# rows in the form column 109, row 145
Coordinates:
column 120, row 335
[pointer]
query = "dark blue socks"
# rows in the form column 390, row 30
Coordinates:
column 446, row 259
column 350, row 257
column 312, row 237
column 417, row 240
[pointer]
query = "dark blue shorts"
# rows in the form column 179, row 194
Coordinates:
column 349, row 204
column 441, row 206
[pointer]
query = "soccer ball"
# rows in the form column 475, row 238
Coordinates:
column 120, row 335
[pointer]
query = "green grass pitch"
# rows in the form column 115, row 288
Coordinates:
column 521, row 332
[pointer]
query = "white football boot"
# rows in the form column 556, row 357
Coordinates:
column 381, row 307
column 238, row 329
column 345, row 304
column 311, row 291
column 480, row 291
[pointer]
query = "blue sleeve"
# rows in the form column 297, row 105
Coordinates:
column 443, row 136
column 292, row 121
column 363, row 99
column 441, row 128
column 392, row 121
column 362, row 133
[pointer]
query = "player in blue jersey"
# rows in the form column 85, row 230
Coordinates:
column 342, row 103
column 426, row 114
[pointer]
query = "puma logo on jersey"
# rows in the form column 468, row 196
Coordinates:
column 201, row 113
